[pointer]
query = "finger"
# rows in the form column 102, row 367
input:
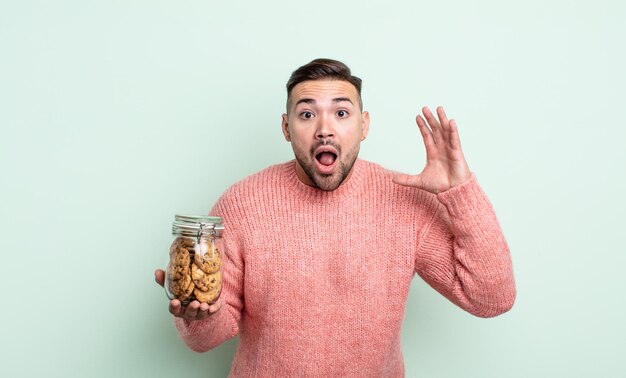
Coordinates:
column 207, row 310
column 191, row 312
column 433, row 123
column 215, row 306
column 455, row 140
column 203, row 311
column 159, row 276
column 443, row 118
column 427, row 136
column 176, row 308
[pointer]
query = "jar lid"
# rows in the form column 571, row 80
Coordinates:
column 196, row 225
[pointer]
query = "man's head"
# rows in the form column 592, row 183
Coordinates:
column 323, row 69
column 324, row 122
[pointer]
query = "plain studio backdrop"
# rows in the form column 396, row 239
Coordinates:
column 115, row 115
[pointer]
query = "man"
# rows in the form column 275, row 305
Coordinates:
column 320, row 251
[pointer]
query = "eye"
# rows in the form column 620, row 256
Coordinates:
column 306, row 115
column 342, row 114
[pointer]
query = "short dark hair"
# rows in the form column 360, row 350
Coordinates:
column 320, row 69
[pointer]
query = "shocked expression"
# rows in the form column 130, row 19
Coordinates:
column 325, row 126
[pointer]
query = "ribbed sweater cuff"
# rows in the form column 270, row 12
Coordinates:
column 467, row 199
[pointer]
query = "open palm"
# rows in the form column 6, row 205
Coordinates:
column 445, row 164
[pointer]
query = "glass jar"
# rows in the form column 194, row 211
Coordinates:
column 194, row 271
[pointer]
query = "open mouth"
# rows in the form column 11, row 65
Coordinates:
column 326, row 159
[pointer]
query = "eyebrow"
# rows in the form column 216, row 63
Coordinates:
column 312, row 101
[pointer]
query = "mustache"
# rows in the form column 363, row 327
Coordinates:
column 325, row 142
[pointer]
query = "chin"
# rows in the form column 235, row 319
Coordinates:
column 327, row 185
column 331, row 181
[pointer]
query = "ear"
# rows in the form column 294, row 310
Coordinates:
column 285, row 126
column 365, row 125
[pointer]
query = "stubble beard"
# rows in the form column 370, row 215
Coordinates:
column 328, row 182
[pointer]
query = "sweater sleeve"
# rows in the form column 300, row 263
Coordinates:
column 463, row 254
column 206, row 334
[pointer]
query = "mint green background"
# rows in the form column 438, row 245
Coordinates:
column 115, row 115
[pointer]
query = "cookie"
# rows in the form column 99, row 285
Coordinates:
column 176, row 272
column 181, row 286
column 210, row 262
column 181, row 242
column 187, row 292
column 179, row 264
column 204, row 281
column 207, row 296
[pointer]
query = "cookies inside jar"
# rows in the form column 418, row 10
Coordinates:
column 194, row 270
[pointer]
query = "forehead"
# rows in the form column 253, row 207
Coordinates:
column 324, row 90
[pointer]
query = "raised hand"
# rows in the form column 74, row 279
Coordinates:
column 445, row 164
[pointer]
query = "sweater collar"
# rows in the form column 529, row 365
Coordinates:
column 293, row 182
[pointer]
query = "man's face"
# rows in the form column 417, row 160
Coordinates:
column 325, row 126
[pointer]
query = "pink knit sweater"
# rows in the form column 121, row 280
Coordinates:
column 316, row 283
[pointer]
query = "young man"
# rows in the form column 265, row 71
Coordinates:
column 320, row 251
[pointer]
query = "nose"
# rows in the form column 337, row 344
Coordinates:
column 325, row 129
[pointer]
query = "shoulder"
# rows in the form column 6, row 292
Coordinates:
column 247, row 191
column 379, row 182
column 375, row 170
column 259, row 180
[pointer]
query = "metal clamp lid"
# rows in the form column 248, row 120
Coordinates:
column 197, row 225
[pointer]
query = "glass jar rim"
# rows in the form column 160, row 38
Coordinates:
column 205, row 219
column 196, row 225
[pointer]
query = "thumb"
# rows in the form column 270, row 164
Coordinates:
column 159, row 276
column 407, row 180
